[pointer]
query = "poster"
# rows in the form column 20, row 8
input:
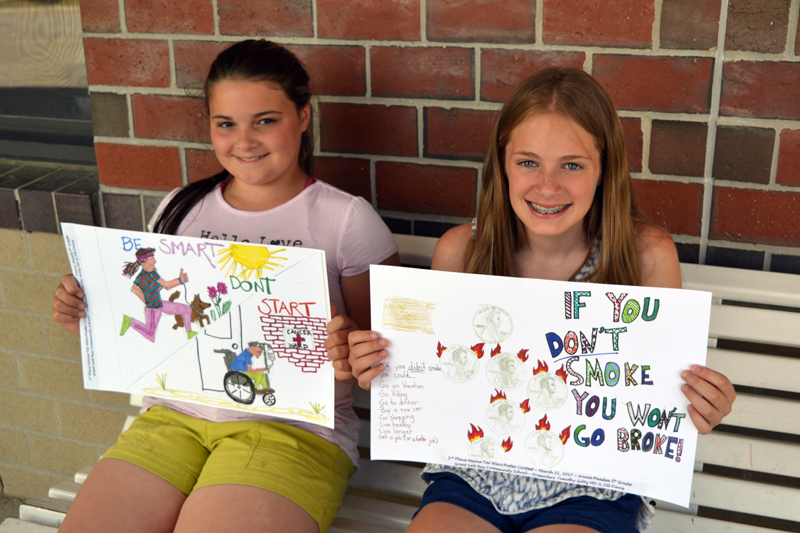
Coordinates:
column 233, row 325
column 566, row 381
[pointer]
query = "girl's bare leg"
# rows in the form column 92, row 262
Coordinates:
column 225, row 508
column 122, row 497
column 445, row 517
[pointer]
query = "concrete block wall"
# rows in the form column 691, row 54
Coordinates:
column 50, row 427
column 408, row 90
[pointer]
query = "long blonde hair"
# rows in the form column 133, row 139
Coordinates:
column 612, row 217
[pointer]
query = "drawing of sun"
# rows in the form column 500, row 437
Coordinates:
column 251, row 259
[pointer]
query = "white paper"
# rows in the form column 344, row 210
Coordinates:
column 240, row 293
column 483, row 372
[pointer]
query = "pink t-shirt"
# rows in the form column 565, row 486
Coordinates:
column 322, row 217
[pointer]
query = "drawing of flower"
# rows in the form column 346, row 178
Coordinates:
column 216, row 294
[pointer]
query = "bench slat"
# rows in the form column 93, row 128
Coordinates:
column 743, row 285
column 746, row 496
column 415, row 250
column 770, row 414
column 669, row 522
column 12, row 525
column 749, row 453
column 757, row 370
column 755, row 325
column 390, row 515
column 386, row 476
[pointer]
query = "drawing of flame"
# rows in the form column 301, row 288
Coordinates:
column 525, row 406
column 543, row 423
column 562, row 373
column 564, row 435
column 523, row 355
column 478, row 350
column 498, row 396
column 507, row 444
column 475, row 434
column 541, row 367
column 495, row 351
column 440, row 349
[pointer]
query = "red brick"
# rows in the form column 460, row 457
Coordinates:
column 336, row 70
column 346, row 173
column 689, row 24
column 789, row 158
column 760, row 89
column 202, row 164
column 743, row 154
column 670, row 84
column 100, row 16
column 488, row 21
column 502, row 70
column 762, row 217
column 127, row 62
column 634, row 142
column 370, row 129
column 426, row 188
column 422, row 72
column 139, row 167
column 757, row 26
column 676, row 207
column 284, row 18
column 193, row 59
column 170, row 117
column 627, row 23
column 168, row 16
column 678, row 148
column 458, row 133
column 395, row 20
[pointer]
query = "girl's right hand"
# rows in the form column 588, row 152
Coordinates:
column 68, row 304
column 367, row 348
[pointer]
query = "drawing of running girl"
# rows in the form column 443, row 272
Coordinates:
column 147, row 287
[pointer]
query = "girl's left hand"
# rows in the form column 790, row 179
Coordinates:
column 339, row 328
column 711, row 395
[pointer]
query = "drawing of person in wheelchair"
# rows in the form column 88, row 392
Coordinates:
column 247, row 373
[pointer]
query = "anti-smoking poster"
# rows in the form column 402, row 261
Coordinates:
column 234, row 325
column 566, row 381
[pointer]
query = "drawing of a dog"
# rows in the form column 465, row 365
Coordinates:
column 197, row 305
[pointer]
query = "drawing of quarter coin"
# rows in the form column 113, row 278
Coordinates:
column 543, row 448
column 547, row 391
column 492, row 324
column 504, row 418
column 505, row 371
column 459, row 363
column 485, row 448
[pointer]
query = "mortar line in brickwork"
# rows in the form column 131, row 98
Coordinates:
column 656, row 30
column 101, row 209
column 647, row 131
column 785, row 57
column 420, row 129
column 391, row 101
column 123, row 22
column 711, row 138
column 141, row 141
column 476, row 82
column 129, row 104
column 314, row 19
column 367, row 72
column 372, row 184
column 182, row 160
column 588, row 62
column 776, row 147
column 791, row 34
column 423, row 21
column 767, row 261
column 773, row 123
column 215, row 13
column 411, row 217
column 173, row 83
column 539, row 22
column 412, row 160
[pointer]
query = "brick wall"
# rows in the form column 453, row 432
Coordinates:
column 50, row 427
column 408, row 90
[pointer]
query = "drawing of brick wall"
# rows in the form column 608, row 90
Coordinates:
column 307, row 360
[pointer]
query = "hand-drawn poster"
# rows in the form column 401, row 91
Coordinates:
column 566, row 381
column 234, row 325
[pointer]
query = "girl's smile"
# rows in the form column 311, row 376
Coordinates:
column 256, row 132
column 553, row 169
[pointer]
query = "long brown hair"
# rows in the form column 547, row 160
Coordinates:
column 612, row 217
column 249, row 60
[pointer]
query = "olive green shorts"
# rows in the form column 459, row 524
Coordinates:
column 290, row 461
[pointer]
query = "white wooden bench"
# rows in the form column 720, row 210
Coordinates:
column 747, row 472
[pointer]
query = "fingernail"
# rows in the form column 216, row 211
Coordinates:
column 696, row 368
column 685, row 388
column 383, row 342
column 685, row 374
